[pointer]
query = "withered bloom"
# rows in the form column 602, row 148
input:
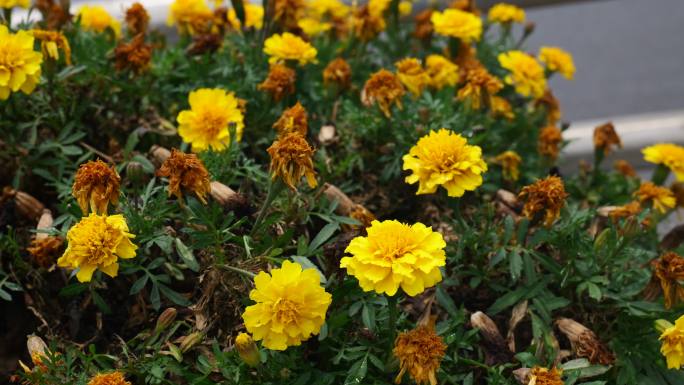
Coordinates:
column 280, row 82
column 465, row 5
column 424, row 27
column 550, row 103
column 96, row 186
column 383, row 88
column 479, row 88
column 291, row 160
column 294, row 119
column 51, row 42
column 45, row 251
column 337, row 72
column 54, row 15
column 137, row 19
column 605, row 137
column 286, row 13
column 134, row 56
column 466, row 59
column 677, row 189
column 545, row 195
column 205, row 43
column 629, row 210
column 363, row 215
column 548, row 143
column 366, row 24
column 544, row 376
column 668, row 270
column 185, row 172
column 585, row 343
column 420, row 352
column 660, row 197
column 624, row 168
column 510, row 164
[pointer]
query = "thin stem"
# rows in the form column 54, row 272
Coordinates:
column 274, row 188
column 392, row 321
column 238, row 270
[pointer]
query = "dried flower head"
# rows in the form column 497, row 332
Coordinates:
column 424, row 28
column 19, row 63
column 677, row 189
column 668, row 270
column 363, row 215
column 549, row 141
column 546, row 196
column 291, row 160
column 185, row 172
column 510, row 163
column 506, row 14
column 412, row 75
column 287, row 12
column 337, row 72
column 45, row 251
column 134, row 56
column 420, row 352
column 385, row 89
column 585, row 343
column 283, row 47
column 624, row 168
column 660, row 197
column 605, row 137
column 466, row 6
column 550, row 103
column 669, row 155
column 213, row 112
column 95, row 18
column 544, row 376
column 367, row 24
column 557, row 60
column 205, row 43
column 293, row 120
column 628, row 210
column 96, row 186
column 51, row 42
column 137, row 19
column 53, row 13
column 479, row 88
column 114, row 378
column 457, row 23
column 280, row 82
column 525, row 73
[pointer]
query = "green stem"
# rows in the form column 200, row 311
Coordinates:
column 238, row 270
column 660, row 175
column 599, row 155
column 392, row 321
column 274, row 188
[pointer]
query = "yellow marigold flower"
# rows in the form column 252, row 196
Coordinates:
column 367, row 24
column 19, row 63
column 188, row 15
column 442, row 71
column 95, row 186
column 545, row 195
column 501, row 108
column 673, row 344
column 668, row 270
column 114, row 378
column 97, row 242
column 510, row 162
column 287, row 12
column 383, row 88
column 286, row 46
column 394, row 255
column 624, row 168
column 137, row 19
column 526, row 74
column 185, row 172
column 420, row 352
column 293, row 119
column 544, row 376
column 550, row 103
column 51, row 42
column 95, row 18
column 290, row 306
column 506, row 13
column 134, row 56
column 335, row 8
column 479, row 88
column 459, row 24
column 668, row 154
column 558, row 60
column 254, row 17
column 247, row 349
column 378, row 7
column 605, row 137
column 291, row 160
column 7, row 4
column 206, row 124
column 337, row 71
column 548, row 143
column 444, row 158
column 280, row 81
column 313, row 27
column 405, row 7
column 662, row 198
column 412, row 75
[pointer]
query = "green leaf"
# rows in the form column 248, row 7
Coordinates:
column 357, row 372
column 515, row 264
column 139, row 284
column 446, row 302
column 187, row 256
column 147, row 166
column 173, row 296
column 326, row 232
column 100, row 303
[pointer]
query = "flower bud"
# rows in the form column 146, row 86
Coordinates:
column 191, row 340
column 247, row 349
column 529, row 28
column 661, row 325
column 165, row 319
column 36, row 345
column 134, row 172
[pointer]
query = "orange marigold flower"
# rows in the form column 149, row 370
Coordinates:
column 626, row 211
column 137, row 19
column 548, row 143
column 550, row 103
column 545, row 195
column 510, row 162
column 479, row 88
column 134, row 56
column 420, row 352
column 185, row 171
column 95, row 186
column 669, row 271
column 424, row 28
column 624, row 168
column 45, row 251
column 287, row 13
column 338, row 72
column 383, row 88
column 294, row 119
column 661, row 198
column 367, row 25
column 412, row 75
column 280, row 82
column 291, row 160
column 605, row 137
column 544, row 376
column 114, row 378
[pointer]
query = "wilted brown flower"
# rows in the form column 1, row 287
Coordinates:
column 626, row 211
column 286, row 13
column 605, row 137
column 95, row 186
column 585, row 343
column 677, row 189
column 662, row 198
column 338, row 72
column 420, row 352
column 137, row 19
column 550, row 103
column 280, row 82
column 383, row 88
column 424, row 27
column 45, row 251
column 548, row 143
column 185, row 171
column 366, row 24
column 668, row 270
column 544, row 376
column 624, row 168
column 479, row 88
column 134, row 56
column 54, row 15
column 205, row 43
column 291, row 160
column 293, row 119
column 465, row 5
column 363, row 215
column 545, row 195
column 51, row 42
column 466, row 59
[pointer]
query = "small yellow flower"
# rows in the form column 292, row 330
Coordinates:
column 544, row 376
column 558, row 60
column 291, row 160
column 459, row 24
column 280, row 81
column 479, row 88
column 7, row 4
column 420, row 352
column 394, row 255
column 385, row 89
column 95, row 18
column 254, row 17
column 662, row 198
column 51, row 42
column 97, row 242
column 19, row 63
column 313, row 27
column 286, row 46
column 378, row 7
column 114, row 378
column 545, row 195
column 668, row 154
column 405, row 7
column 510, row 162
column 293, row 119
column 247, row 349
column 549, row 141
column 185, row 172
column 337, row 71
column 673, row 344
column 334, row 8
column 526, row 74
column 442, row 71
column 501, row 108
column 412, row 75
column 444, row 158
column 187, row 15
column 96, row 186
column 506, row 13
column 290, row 306
column 206, row 124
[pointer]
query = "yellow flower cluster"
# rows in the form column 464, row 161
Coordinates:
column 558, row 60
column 459, row 24
column 7, row 4
column 505, row 14
column 525, row 73
column 95, row 18
column 288, row 47
column 19, row 63
column 187, row 15
column 669, row 155
column 254, row 17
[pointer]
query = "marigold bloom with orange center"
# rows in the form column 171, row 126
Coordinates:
column 186, row 172
column 510, row 163
column 290, row 306
column 283, row 47
column 137, row 19
column 254, row 17
column 395, row 255
column 280, row 82
column 134, row 56
column 661, row 198
column 525, row 73
column 293, row 120
column 550, row 103
column 51, row 42
column 545, row 196
column 19, row 63
column 458, row 24
column 669, row 155
column 96, row 186
column 114, row 378
column 412, row 75
column 97, row 242
column 501, row 108
column 479, row 88
column 420, row 352
column 624, row 168
column 189, row 15
column 366, row 24
column 337, row 72
column 442, row 71
column 95, row 18
column 669, row 272
column 444, row 158
column 506, row 14
column 628, row 210
column 213, row 112
column 385, row 89
column 605, row 137
column 544, row 376
column 549, row 141
column 557, row 60
column 45, row 251
column 423, row 30
column 291, row 159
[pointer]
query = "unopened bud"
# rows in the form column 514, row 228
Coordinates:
column 247, row 349
column 165, row 319
column 134, row 172
column 191, row 340
column 529, row 28
column 661, row 325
